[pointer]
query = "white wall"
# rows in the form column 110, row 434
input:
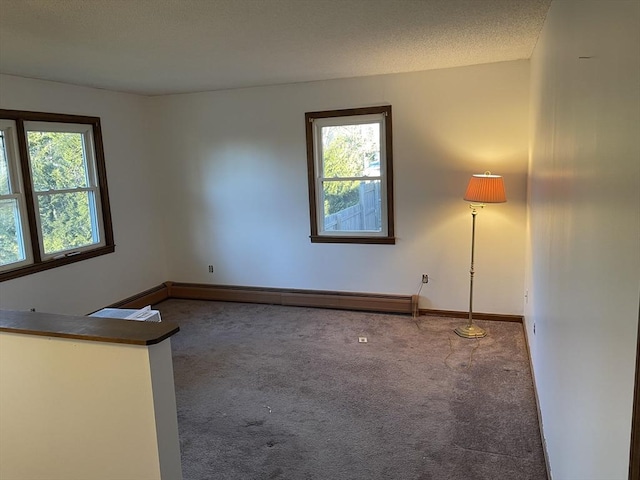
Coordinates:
column 139, row 260
column 583, row 272
column 78, row 409
column 236, row 174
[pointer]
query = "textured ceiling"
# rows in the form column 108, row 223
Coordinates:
column 156, row 47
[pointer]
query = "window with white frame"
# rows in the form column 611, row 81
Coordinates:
column 15, row 248
column 349, row 157
column 54, row 206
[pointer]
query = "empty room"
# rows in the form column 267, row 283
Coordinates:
column 386, row 239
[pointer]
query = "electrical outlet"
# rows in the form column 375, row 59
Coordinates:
column 210, row 268
column 425, row 278
column 362, row 340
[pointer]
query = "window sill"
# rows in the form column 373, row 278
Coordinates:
column 352, row 239
column 53, row 263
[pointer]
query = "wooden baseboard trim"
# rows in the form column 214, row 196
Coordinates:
column 301, row 298
column 148, row 297
column 634, row 458
column 545, row 451
column 368, row 302
column 497, row 317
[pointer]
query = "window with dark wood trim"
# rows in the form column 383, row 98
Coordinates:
column 54, row 201
column 350, row 174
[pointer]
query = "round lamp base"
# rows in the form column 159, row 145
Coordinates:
column 470, row 331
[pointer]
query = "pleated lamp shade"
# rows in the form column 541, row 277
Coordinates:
column 485, row 188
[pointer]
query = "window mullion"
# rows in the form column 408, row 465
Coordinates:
column 53, row 191
column 27, row 185
column 349, row 179
column 10, row 196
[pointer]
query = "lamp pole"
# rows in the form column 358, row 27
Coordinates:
column 470, row 330
column 471, row 270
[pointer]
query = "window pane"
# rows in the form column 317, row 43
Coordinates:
column 5, row 187
column 352, row 206
column 57, row 160
column 11, row 246
column 351, row 150
column 66, row 220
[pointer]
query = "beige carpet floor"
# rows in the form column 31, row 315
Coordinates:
column 273, row 392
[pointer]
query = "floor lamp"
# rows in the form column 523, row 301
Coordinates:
column 483, row 188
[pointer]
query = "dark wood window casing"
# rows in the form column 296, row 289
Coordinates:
column 107, row 246
column 387, row 184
